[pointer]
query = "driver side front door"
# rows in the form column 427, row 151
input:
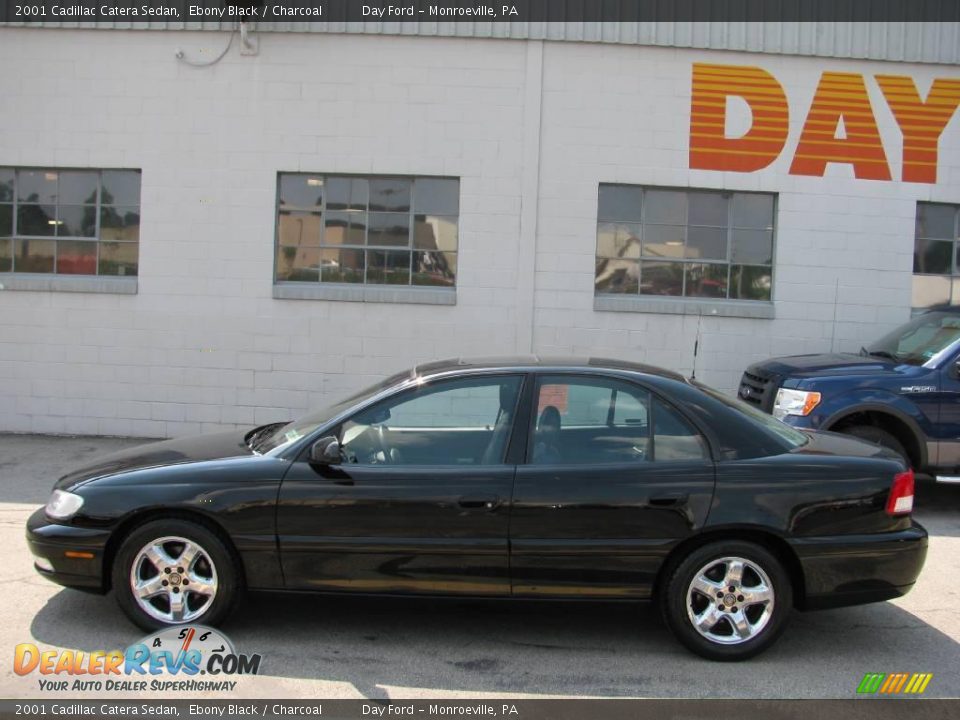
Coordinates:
column 420, row 503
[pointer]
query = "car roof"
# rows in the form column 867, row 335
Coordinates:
column 528, row 362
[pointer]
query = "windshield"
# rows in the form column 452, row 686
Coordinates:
column 280, row 436
column 920, row 340
column 793, row 438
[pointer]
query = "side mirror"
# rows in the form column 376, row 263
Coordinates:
column 326, row 451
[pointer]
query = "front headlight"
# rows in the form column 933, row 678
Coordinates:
column 63, row 505
column 794, row 402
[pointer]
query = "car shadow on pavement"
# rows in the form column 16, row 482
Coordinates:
column 582, row 649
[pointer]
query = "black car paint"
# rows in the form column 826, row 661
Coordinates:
column 504, row 530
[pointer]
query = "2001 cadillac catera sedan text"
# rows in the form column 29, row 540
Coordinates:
column 525, row 477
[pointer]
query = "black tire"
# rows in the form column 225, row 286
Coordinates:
column 878, row 436
column 674, row 603
column 216, row 557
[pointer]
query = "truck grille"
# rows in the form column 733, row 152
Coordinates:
column 759, row 388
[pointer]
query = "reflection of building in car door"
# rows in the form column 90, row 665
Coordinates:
column 614, row 473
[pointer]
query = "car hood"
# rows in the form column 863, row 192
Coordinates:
column 823, row 442
column 828, row 363
column 168, row 452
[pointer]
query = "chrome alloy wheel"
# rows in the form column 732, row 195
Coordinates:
column 730, row 600
column 173, row 580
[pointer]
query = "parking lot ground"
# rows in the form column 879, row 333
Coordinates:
column 317, row 647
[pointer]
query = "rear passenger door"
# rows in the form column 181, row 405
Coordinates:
column 614, row 477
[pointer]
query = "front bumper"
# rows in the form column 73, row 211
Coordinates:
column 52, row 542
column 857, row 569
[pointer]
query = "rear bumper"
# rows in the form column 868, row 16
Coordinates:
column 50, row 542
column 858, row 569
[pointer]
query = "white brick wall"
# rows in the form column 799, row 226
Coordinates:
column 204, row 345
column 613, row 114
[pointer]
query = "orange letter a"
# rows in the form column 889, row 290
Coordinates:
column 710, row 148
column 841, row 96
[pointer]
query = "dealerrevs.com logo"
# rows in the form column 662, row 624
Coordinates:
column 173, row 659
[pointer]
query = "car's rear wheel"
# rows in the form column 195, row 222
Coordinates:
column 174, row 572
column 878, row 436
column 727, row 600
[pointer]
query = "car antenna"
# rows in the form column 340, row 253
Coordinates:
column 696, row 346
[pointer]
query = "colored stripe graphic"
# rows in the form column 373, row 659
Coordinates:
column 894, row 683
column 871, row 682
column 710, row 147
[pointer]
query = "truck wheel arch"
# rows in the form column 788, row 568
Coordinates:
column 896, row 422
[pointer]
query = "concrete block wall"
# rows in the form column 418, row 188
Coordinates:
column 525, row 125
column 843, row 255
column 204, row 345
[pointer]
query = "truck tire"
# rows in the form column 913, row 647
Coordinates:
column 878, row 436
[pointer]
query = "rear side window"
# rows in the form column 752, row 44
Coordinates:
column 673, row 437
column 591, row 420
column 742, row 432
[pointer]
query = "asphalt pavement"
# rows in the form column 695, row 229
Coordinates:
column 317, row 647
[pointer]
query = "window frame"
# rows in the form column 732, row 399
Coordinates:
column 953, row 276
column 364, row 290
column 536, row 383
column 53, row 278
column 611, row 301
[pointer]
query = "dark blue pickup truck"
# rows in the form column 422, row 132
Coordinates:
column 903, row 392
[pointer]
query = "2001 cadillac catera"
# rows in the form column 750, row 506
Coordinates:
column 525, row 477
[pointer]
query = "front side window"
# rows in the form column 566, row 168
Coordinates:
column 457, row 422
column 584, row 421
column 372, row 230
column 936, row 268
column 69, row 222
column 684, row 243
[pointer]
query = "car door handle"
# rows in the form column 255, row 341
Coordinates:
column 669, row 499
column 479, row 502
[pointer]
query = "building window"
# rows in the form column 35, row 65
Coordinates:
column 69, row 222
column 373, row 230
column 936, row 268
column 684, row 243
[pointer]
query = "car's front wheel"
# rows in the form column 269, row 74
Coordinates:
column 727, row 600
column 174, row 572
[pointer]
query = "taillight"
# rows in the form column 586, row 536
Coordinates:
column 900, row 501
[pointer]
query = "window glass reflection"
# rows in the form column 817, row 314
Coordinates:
column 371, row 229
column 690, row 243
column 118, row 258
column 388, row 267
column 76, row 257
column 438, row 269
column 6, row 255
column 34, row 256
column 120, row 187
column 77, row 188
column 617, row 276
column 58, row 218
column 77, row 221
column 120, row 223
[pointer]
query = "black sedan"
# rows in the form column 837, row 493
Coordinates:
column 524, row 477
